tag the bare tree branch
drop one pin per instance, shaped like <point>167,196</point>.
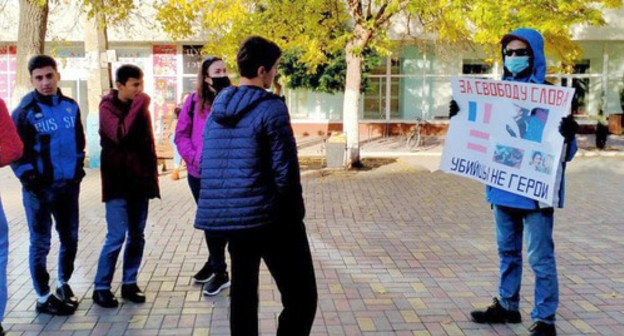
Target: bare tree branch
<point>359,8</point>
<point>355,6</point>
<point>382,18</point>
<point>380,12</point>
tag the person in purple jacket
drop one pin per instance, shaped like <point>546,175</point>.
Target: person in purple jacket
<point>211,79</point>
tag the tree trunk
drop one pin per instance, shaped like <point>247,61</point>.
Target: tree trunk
<point>98,82</point>
<point>33,22</point>
<point>351,104</point>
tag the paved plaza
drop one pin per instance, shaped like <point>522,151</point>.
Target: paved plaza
<point>398,250</point>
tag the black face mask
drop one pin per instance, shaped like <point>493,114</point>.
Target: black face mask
<point>220,83</point>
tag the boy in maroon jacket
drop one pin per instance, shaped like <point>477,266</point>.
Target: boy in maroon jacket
<point>129,181</point>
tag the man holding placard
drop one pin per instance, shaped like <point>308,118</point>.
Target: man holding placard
<point>504,140</point>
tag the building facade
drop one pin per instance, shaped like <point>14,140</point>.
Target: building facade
<point>412,84</point>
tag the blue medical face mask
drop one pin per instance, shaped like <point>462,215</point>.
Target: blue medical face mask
<point>516,64</point>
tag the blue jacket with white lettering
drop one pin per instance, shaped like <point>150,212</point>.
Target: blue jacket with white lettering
<point>53,137</point>
<point>535,74</point>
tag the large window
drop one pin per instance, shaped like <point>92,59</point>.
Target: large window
<point>615,77</point>
<point>164,60</point>
<point>416,84</point>
<point>374,106</point>
<point>314,106</point>
<point>376,98</point>
<point>191,63</point>
<point>381,97</point>
<point>475,67</point>
<point>588,78</point>
<point>7,73</point>
<point>580,85</point>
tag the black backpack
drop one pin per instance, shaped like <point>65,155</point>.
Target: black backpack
<point>191,111</point>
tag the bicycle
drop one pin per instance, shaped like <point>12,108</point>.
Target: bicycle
<point>415,136</point>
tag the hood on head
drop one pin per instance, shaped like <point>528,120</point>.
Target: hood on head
<point>535,41</point>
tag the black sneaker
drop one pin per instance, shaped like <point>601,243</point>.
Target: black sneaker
<point>105,298</point>
<point>204,275</point>
<point>540,328</point>
<point>54,306</point>
<point>496,314</point>
<point>66,294</point>
<point>1,330</point>
<point>216,284</point>
<point>133,293</point>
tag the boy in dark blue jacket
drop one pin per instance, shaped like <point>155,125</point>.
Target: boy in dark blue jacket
<point>251,193</point>
<point>50,171</point>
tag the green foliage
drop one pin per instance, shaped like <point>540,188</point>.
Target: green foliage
<point>318,29</point>
<point>109,12</point>
<point>329,77</point>
<point>313,26</point>
<point>484,22</point>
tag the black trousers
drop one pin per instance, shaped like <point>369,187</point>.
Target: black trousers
<point>285,250</point>
<point>216,245</point>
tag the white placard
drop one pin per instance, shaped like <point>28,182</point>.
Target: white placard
<point>506,135</point>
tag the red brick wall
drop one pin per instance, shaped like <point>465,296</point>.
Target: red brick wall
<point>367,130</point>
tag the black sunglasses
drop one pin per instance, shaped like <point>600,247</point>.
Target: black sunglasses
<point>518,52</point>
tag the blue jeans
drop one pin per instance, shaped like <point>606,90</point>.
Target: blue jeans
<point>537,227</point>
<point>124,216</point>
<point>4,257</point>
<point>177,158</point>
<point>61,202</point>
<point>216,244</point>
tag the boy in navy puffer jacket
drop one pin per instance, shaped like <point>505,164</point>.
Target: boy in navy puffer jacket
<point>251,193</point>
<point>50,170</point>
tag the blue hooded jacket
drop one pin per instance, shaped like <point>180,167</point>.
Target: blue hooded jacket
<point>249,168</point>
<point>537,75</point>
<point>54,141</point>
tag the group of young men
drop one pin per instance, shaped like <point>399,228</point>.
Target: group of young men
<point>250,191</point>
<point>52,168</point>
<point>266,223</point>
